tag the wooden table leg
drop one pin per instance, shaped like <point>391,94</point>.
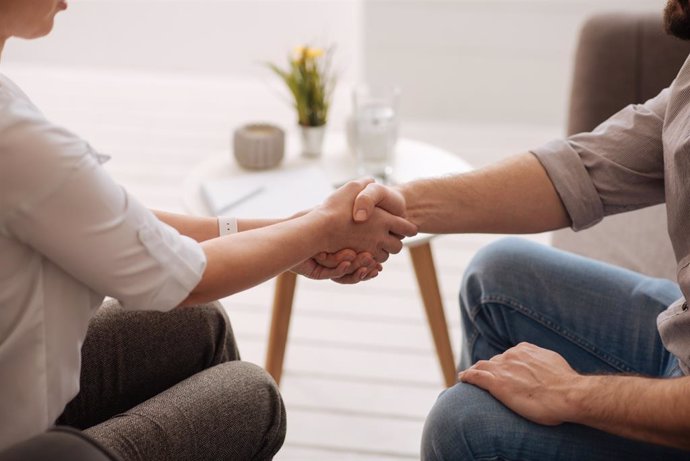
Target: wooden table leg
<point>280,323</point>
<point>423,262</point>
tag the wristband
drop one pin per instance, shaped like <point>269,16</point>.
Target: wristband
<point>227,225</point>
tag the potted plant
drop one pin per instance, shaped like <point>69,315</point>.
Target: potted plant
<point>311,83</point>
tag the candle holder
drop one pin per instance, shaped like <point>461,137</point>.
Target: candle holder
<point>259,146</point>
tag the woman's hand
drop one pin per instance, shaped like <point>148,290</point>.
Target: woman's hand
<point>345,266</point>
<point>380,235</point>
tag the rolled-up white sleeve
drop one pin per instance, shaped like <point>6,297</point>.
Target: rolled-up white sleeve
<point>105,238</point>
<point>66,207</point>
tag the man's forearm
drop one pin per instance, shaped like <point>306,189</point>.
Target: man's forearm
<point>513,196</point>
<point>651,410</point>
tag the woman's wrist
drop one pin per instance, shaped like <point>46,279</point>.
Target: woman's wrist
<point>227,225</point>
<point>319,225</point>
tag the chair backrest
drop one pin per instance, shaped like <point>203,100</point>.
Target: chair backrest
<point>623,59</point>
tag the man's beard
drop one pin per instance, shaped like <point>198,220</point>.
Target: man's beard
<point>677,18</point>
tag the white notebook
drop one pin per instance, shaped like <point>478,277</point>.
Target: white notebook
<point>269,194</point>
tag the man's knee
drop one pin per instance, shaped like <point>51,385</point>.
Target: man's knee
<point>493,265</point>
<point>465,423</point>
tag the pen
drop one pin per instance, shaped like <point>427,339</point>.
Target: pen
<point>243,199</point>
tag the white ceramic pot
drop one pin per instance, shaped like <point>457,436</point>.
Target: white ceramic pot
<point>259,146</point>
<point>312,140</point>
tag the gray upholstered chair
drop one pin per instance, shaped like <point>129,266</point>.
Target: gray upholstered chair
<point>623,59</point>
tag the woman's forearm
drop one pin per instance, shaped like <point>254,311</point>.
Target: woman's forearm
<point>202,228</point>
<point>240,261</point>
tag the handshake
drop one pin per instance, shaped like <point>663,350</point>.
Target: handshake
<point>362,223</point>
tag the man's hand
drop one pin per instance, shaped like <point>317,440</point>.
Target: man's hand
<point>345,266</point>
<point>377,195</point>
<point>380,235</point>
<point>531,381</point>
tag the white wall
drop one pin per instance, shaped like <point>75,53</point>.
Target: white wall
<point>481,60</point>
<point>205,36</point>
<point>498,62</point>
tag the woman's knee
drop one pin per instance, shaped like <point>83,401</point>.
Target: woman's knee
<point>231,411</point>
<point>243,404</point>
<point>213,322</point>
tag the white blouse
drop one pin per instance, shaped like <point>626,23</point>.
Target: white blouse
<point>69,236</point>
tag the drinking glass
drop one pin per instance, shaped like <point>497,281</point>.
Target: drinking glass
<point>375,129</point>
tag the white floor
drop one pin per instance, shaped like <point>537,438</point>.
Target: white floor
<point>360,372</point>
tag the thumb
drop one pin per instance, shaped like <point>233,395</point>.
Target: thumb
<point>364,203</point>
<point>377,195</point>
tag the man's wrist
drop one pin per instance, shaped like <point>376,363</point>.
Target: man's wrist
<point>576,397</point>
<point>407,193</point>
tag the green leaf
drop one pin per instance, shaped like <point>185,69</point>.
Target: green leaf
<point>311,84</point>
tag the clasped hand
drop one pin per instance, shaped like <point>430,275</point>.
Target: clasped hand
<point>358,244</point>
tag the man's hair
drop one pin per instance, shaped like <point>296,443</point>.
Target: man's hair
<point>677,18</point>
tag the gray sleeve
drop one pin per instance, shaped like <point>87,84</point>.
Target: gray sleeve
<point>617,167</point>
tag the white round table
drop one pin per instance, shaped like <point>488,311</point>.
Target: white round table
<point>413,160</point>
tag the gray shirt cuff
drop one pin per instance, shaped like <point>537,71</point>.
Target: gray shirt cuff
<point>572,182</point>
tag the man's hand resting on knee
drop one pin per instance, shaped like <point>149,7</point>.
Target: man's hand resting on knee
<point>539,385</point>
<point>529,380</point>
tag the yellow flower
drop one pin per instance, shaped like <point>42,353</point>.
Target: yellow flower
<point>313,53</point>
<point>310,81</point>
<point>304,52</point>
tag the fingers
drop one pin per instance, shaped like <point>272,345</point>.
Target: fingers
<point>342,269</point>
<point>357,186</point>
<point>365,260</point>
<point>355,267</point>
<point>322,273</point>
<point>377,195</point>
<point>381,256</point>
<point>332,260</point>
<point>369,269</point>
<point>395,224</point>
<point>479,378</point>
<point>392,245</point>
<point>360,275</point>
<point>403,227</point>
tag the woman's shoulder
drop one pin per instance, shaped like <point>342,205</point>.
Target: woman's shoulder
<point>11,89</point>
<point>35,154</point>
<point>25,132</point>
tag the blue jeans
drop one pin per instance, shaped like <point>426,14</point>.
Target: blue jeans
<point>601,318</point>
